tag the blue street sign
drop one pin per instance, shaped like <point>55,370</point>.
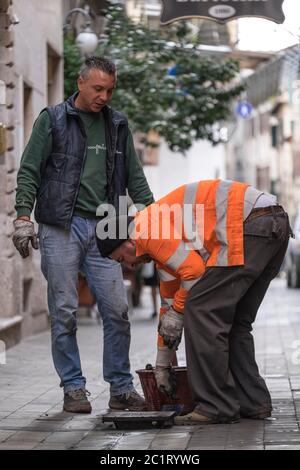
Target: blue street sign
<point>244,109</point>
<point>172,71</point>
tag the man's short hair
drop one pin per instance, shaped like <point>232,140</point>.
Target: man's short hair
<point>99,63</point>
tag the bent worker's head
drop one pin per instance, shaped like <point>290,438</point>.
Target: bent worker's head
<point>126,253</point>
<point>114,240</point>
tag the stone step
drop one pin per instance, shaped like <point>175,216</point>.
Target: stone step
<point>10,330</point>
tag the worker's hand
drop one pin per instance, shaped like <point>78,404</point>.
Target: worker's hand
<point>24,232</point>
<point>170,328</point>
<point>166,381</point>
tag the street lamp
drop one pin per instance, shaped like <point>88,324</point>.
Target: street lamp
<point>87,39</point>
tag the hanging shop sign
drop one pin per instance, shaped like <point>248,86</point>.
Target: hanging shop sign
<point>221,10</point>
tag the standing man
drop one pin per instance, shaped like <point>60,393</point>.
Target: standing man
<point>81,155</point>
<point>225,243</point>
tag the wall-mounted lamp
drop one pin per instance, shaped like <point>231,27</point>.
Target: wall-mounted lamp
<point>87,40</point>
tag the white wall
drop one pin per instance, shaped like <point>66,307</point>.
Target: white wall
<point>203,161</point>
<point>40,24</point>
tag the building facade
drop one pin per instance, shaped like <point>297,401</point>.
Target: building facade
<point>264,150</point>
<point>31,77</point>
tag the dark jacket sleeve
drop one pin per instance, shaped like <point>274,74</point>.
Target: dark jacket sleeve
<point>29,174</point>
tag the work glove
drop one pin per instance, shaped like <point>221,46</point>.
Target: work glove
<point>24,232</point>
<point>170,328</point>
<point>166,381</point>
<point>163,373</point>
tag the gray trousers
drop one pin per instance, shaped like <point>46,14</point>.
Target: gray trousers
<point>219,312</point>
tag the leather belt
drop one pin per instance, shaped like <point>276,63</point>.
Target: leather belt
<point>259,211</point>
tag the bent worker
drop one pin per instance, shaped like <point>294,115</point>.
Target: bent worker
<point>212,283</point>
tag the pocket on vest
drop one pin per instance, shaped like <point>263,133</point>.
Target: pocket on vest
<point>63,167</point>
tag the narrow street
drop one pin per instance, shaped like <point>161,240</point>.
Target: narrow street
<point>31,401</point>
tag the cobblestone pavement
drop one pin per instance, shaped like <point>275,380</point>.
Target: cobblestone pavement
<point>31,414</point>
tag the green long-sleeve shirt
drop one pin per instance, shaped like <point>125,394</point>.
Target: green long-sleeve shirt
<point>93,183</point>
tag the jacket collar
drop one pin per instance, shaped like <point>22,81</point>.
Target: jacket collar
<point>116,117</point>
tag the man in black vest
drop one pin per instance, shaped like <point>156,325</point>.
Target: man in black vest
<point>80,158</point>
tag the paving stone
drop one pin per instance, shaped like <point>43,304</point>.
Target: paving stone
<point>82,425</point>
<point>12,423</point>
<point>48,446</point>
<point>100,443</point>
<point>205,447</point>
<point>282,447</point>
<point>175,444</point>
<point>38,408</point>
<point>28,436</point>
<point>246,447</point>
<point>17,445</point>
<point>4,435</point>
<point>65,437</point>
<point>31,415</point>
<point>43,426</point>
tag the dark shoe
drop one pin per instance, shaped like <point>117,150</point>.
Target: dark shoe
<point>195,418</point>
<point>75,401</point>
<point>260,415</point>
<point>131,401</point>
<point>154,315</point>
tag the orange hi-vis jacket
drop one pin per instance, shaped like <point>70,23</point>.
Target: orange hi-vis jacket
<point>195,226</point>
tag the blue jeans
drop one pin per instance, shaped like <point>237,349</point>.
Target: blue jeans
<point>63,254</point>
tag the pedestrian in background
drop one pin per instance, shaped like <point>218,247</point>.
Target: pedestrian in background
<point>150,279</point>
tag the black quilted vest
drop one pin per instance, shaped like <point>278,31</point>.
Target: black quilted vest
<point>61,173</point>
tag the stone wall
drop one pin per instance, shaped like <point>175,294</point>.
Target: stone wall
<point>31,77</point>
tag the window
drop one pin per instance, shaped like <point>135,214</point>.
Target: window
<point>27,112</point>
<point>274,136</point>
<point>53,68</point>
<point>263,178</point>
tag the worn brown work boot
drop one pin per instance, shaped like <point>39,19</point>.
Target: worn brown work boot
<point>75,401</point>
<point>131,401</point>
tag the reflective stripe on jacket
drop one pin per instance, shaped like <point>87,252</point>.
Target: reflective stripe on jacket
<point>182,260</point>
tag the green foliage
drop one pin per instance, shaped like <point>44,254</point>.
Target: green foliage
<point>72,63</point>
<point>181,107</point>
